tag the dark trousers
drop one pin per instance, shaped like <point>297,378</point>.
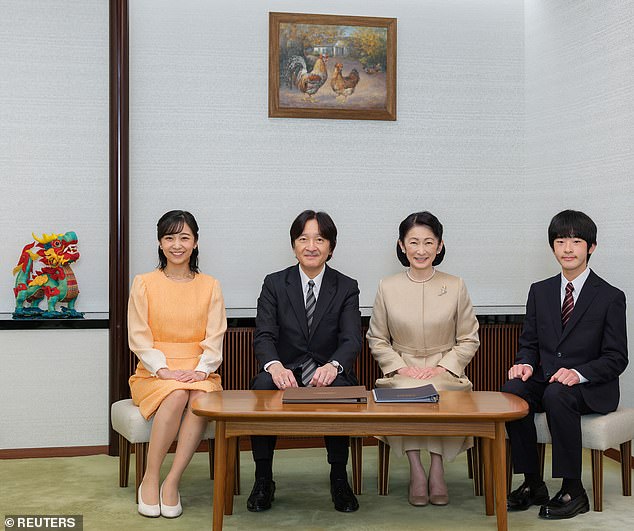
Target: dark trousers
<point>563,406</point>
<point>263,446</point>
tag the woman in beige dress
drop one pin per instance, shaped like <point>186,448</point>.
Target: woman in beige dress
<point>424,330</point>
<point>176,325</point>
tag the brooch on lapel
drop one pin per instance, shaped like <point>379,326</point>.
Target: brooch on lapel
<point>443,290</point>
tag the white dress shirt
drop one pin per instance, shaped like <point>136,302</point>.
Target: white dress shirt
<point>577,284</point>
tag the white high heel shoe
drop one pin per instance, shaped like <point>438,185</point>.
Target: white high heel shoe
<point>170,511</point>
<point>151,511</point>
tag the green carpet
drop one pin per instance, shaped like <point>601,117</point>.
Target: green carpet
<point>89,486</point>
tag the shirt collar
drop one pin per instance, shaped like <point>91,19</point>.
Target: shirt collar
<point>577,283</point>
<point>317,280</point>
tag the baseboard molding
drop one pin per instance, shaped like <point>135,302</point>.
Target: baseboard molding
<point>77,451</point>
<point>63,451</point>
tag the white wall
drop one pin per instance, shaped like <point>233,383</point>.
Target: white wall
<point>201,139</point>
<point>579,131</point>
<point>54,178</point>
<point>54,136</point>
<point>54,388</point>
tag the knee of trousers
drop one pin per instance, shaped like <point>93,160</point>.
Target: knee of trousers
<point>263,381</point>
<point>515,387</point>
<point>557,396</point>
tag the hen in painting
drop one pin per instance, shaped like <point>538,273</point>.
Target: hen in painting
<point>342,85</point>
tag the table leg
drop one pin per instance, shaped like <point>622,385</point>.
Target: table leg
<point>231,474</point>
<point>487,461</point>
<point>499,474</point>
<point>220,471</point>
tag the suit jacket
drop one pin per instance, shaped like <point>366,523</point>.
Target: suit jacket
<point>594,342</point>
<point>281,329</point>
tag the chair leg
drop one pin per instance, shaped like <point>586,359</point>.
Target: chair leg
<point>597,479</point>
<point>478,487</point>
<point>541,451</point>
<point>509,467</point>
<point>140,454</point>
<point>236,485</point>
<point>212,449</point>
<point>124,461</point>
<point>626,468</point>
<point>470,463</point>
<point>356,451</point>
<point>384,468</point>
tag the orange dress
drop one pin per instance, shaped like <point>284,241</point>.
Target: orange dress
<point>174,325</point>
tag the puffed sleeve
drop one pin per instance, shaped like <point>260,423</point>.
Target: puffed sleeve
<point>140,337</point>
<point>211,357</point>
<point>467,340</point>
<point>379,339</point>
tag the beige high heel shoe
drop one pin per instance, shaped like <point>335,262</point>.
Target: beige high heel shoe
<point>417,501</point>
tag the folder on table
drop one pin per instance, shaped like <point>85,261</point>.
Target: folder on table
<point>425,393</point>
<point>325,395</point>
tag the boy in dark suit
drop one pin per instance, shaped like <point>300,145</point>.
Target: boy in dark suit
<point>572,350</point>
<point>307,333</point>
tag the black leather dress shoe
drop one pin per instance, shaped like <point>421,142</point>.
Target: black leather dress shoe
<point>342,495</point>
<point>524,496</point>
<point>565,506</point>
<point>261,495</point>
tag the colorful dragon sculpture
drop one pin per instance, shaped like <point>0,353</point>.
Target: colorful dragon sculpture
<point>55,281</point>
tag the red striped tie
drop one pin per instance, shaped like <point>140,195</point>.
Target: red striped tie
<point>568,305</point>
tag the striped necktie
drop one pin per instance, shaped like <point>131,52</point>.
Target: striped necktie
<point>311,302</point>
<point>568,305</point>
<point>310,365</point>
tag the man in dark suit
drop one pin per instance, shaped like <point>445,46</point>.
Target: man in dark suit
<point>572,350</point>
<point>307,333</point>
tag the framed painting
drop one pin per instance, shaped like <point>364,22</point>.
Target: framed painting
<point>330,66</point>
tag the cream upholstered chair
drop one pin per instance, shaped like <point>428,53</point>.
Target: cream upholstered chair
<point>599,433</point>
<point>132,428</point>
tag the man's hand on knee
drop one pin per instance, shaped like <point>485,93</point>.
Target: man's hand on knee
<point>324,375</point>
<point>281,376</point>
<point>565,377</point>
<point>520,370</point>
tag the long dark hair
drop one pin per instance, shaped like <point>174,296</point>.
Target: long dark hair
<point>426,219</point>
<point>172,222</point>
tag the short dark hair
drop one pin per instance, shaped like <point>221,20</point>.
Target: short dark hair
<point>426,219</point>
<point>572,224</point>
<point>327,228</point>
<point>172,222</point>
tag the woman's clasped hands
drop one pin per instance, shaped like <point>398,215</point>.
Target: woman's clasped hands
<point>421,373</point>
<point>181,376</point>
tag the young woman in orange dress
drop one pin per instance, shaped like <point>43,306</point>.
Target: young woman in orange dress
<point>176,325</point>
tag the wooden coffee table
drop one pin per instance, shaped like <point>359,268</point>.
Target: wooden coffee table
<point>459,413</point>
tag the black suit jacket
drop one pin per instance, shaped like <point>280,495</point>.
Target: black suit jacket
<point>594,342</point>
<point>281,329</point>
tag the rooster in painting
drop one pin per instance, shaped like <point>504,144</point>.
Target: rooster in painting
<point>307,82</point>
<point>342,85</point>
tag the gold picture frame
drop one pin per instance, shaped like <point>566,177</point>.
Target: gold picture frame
<point>331,66</point>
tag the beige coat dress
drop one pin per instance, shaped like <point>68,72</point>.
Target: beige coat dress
<point>424,324</point>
